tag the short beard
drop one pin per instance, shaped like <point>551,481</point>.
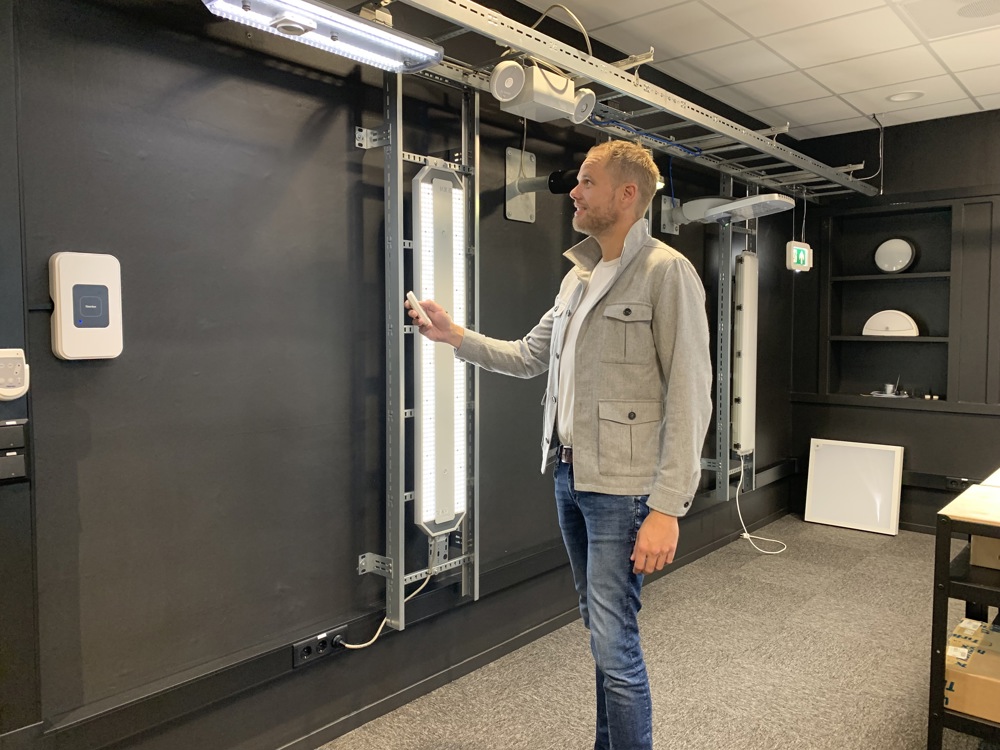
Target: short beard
<point>595,225</point>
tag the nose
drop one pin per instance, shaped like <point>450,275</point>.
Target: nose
<point>573,193</point>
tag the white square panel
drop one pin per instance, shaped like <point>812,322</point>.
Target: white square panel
<point>760,19</point>
<point>990,101</point>
<point>732,64</point>
<point>807,113</point>
<point>881,69</point>
<point>935,90</point>
<point>771,92</point>
<point>594,14</point>
<point>917,114</point>
<point>842,38</point>
<point>977,50</point>
<point>836,127</point>
<point>981,81</point>
<point>673,32</point>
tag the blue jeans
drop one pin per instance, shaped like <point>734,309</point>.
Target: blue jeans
<point>599,532</point>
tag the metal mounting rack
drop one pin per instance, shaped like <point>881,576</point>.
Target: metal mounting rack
<point>654,116</point>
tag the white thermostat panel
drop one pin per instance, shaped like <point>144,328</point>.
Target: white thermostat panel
<point>87,291</point>
<point>14,372</point>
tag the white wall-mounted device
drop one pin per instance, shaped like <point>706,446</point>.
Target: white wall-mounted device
<point>798,256</point>
<point>86,289</point>
<point>539,94</point>
<point>744,405</point>
<point>14,374</point>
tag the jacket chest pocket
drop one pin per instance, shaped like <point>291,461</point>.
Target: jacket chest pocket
<point>628,333</point>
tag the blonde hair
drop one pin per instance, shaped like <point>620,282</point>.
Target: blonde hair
<point>630,162</point>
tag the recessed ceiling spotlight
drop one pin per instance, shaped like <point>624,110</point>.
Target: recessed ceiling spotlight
<point>905,96</point>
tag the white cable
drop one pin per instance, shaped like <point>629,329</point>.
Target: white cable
<point>385,620</point>
<point>746,534</point>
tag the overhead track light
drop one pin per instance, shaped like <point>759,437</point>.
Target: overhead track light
<point>328,28</point>
<point>539,94</point>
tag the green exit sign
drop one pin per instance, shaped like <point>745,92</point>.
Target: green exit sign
<point>798,256</point>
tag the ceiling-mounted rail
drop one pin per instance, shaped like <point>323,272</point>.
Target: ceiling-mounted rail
<point>750,156</point>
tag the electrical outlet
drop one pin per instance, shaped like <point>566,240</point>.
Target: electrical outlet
<point>956,483</point>
<point>318,646</point>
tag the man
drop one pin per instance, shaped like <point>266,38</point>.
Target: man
<point>629,397</point>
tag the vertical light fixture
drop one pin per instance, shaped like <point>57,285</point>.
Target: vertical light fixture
<point>442,433</point>
<point>326,27</point>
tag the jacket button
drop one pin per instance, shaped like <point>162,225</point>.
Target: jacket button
<point>631,415</point>
<point>627,311</point>
<point>687,504</point>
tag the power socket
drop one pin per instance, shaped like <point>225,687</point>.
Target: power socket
<point>318,646</point>
<point>956,483</point>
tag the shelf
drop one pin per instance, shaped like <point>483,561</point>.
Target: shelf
<point>971,724</point>
<point>894,339</point>
<point>912,404</point>
<point>972,583</point>
<point>895,276</point>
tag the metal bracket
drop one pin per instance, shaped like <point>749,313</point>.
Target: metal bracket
<point>519,206</point>
<point>437,552</point>
<point>372,137</point>
<point>369,562</point>
<point>455,562</point>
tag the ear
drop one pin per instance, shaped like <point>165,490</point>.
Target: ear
<point>630,192</point>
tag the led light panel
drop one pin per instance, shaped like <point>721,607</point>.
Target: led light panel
<point>442,433</point>
<point>333,30</point>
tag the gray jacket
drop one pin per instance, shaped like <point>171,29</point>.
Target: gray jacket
<point>643,373</point>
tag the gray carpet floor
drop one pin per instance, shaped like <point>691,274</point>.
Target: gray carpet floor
<point>824,646</point>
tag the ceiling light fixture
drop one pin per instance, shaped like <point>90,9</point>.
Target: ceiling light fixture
<point>905,96</point>
<point>328,28</point>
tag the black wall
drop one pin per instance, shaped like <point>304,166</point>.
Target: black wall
<point>954,163</point>
<point>199,503</point>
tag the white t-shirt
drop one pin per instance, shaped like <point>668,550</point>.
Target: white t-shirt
<point>600,279</point>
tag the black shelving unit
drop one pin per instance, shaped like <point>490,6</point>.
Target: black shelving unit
<point>855,289</point>
<point>980,589</point>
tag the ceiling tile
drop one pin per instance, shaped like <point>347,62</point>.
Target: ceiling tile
<point>990,101</point>
<point>782,15</point>
<point>674,32</point>
<point>946,109</point>
<point>878,70</point>
<point>770,92</point>
<point>807,113</point>
<point>835,127</point>
<point>936,90</point>
<point>842,38</point>
<point>935,19</point>
<point>981,81</point>
<point>977,50</point>
<point>732,64</point>
<point>596,13</point>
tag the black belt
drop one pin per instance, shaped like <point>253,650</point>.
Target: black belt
<point>565,454</point>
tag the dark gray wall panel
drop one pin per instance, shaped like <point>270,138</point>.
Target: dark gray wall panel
<point>210,490</point>
<point>973,287</point>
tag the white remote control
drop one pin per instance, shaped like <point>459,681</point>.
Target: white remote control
<point>14,374</point>
<point>415,305</point>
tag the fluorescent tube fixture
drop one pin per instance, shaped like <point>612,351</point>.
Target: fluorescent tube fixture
<point>328,28</point>
<point>442,434</point>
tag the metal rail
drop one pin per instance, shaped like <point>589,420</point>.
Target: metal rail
<point>637,98</point>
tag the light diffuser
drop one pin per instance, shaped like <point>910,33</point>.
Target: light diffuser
<point>442,435</point>
<point>328,28</point>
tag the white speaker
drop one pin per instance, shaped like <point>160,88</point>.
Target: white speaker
<point>507,80</point>
<point>583,105</point>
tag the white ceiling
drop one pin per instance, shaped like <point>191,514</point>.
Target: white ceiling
<point>822,66</point>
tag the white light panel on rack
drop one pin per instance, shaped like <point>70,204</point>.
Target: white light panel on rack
<point>442,434</point>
